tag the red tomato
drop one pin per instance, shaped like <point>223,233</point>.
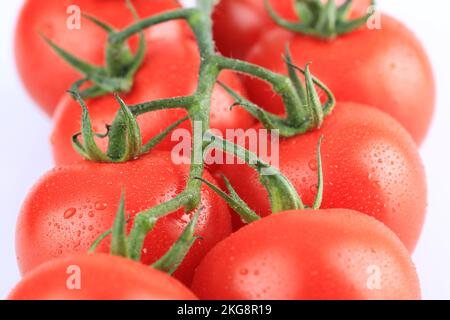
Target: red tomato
<point>178,67</point>
<point>386,68</point>
<point>71,206</point>
<point>370,164</point>
<point>238,24</point>
<point>44,74</point>
<point>101,277</point>
<point>326,254</point>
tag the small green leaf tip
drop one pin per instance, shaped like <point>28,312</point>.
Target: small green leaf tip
<point>119,246</point>
<point>319,194</point>
<point>233,200</point>
<point>170,262</point>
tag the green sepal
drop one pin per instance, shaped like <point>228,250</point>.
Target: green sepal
<point>322,20</point>
<point>121,64</point>
<point>344,10</point>
<point>99,240</point>
<point>282,194</point>
<point>124,135</point>
<point>307,95</point>
<point>160,137</point>
<point>133,140</point>
<point>119,245</point>
<point>304,11</point>
<point>319,195</point>
<point>236,203</point>
<point>101,24</point>
<point>89,148</point>
<point>170,262</point>
<point>268,120</point>
<point>312,81</point>
<point>81,66</point>
<point>293,75</point>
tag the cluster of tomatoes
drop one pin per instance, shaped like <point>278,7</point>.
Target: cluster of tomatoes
<point>357,246</point>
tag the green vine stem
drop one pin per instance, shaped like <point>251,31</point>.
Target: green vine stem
<point>304,112</point>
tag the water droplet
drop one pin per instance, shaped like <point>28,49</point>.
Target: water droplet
<point>243,272</point>
<point>69,213</point>
<point>101,206</point>
<point>312,164</point>
<point>77,244</point>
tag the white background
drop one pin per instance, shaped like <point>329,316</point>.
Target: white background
<point>25,152</point>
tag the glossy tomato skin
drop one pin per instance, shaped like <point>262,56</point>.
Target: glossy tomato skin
<point>45,75</point>
<point>164,74</point>
<point>238,24</point>
<point>71,206</point>
<point>102,277</point>
<point>388,69</point>
<point>328,254</point>
<point>370,164</point>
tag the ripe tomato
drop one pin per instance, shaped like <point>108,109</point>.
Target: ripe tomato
<point>179,69</point>
<point>370,164</point>
<point>386,68</point>
<point>326,254</point>
<point>238,24</point>
<point>71,206</point>
<point>46,76</point>
<point>101,277</point>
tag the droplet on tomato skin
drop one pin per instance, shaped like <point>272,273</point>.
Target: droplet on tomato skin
<point>100,206</point>
<point>243,272</point>
<point>312,164</point>
<point>69,213</point>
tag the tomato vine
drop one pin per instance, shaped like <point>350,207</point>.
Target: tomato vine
<point>304,112</point>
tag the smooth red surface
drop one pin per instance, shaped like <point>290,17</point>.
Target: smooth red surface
<point>165,74</point>
<point>370,164</point>
<point>102,277</point>
<point>71,206</point>
<point>238,24</point>
<point>387,68</point>
<point>46,76</point>
<point>297,255</point>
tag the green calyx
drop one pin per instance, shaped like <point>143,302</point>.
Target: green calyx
<point>121,246</point>
<point>124,136</point>
<point>319,19</point>
<point>308,113</point>
<point>121,63</point>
